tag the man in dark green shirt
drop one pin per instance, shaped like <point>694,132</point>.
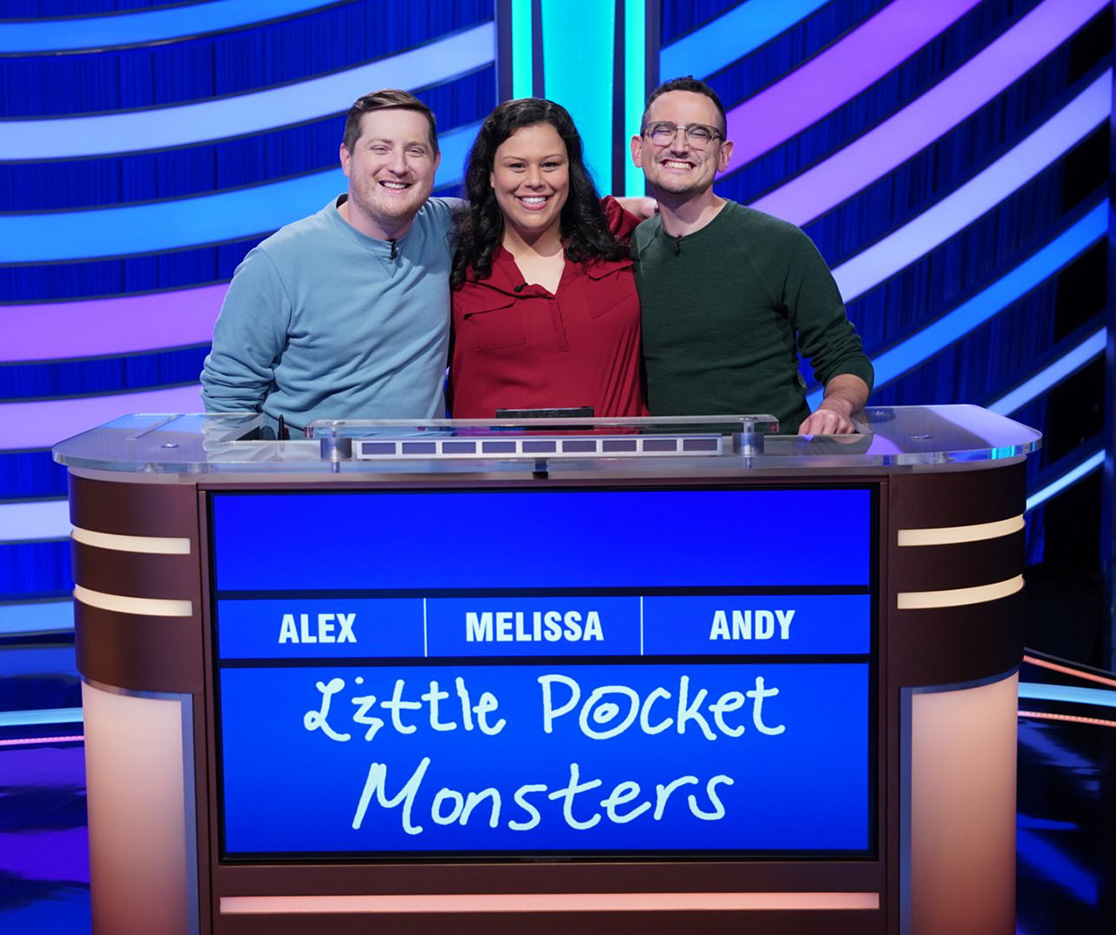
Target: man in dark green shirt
<point>731,296</point>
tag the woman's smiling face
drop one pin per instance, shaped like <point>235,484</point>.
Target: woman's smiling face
<point>531,178</point>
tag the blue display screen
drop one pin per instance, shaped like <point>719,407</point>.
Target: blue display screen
<point>564,672</point>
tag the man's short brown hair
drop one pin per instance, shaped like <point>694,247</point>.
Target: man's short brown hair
<point>387,99</point>
<point>687,83</point>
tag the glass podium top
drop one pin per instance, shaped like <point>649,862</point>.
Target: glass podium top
<point>890,438</point>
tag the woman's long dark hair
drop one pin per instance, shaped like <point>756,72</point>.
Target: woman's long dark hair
<point>584,228</point>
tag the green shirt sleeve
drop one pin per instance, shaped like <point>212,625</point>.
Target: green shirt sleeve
<point>825,336</point>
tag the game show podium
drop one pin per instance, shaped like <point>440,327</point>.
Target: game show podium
<point>644,676</point>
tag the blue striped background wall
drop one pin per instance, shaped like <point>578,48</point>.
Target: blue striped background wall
<point>1017,329</point>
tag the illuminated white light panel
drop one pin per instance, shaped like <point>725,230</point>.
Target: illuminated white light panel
<point>961,207</point>
<point>36,617</point>
<point>950,535</point>
<point>732,35</point>
<point>142,606</point>
<point>1072,476</point>
<point>545,902</point>
<point>958,597</point>
<point>146,26</point>
<point>1012,285</point>
<point>148,545</point>
<point>76,329</point>
<point>244,114</point>
<point>179,223</point>
<point>1074,360</point>
<point>43,423</point>
<point>27,520</point>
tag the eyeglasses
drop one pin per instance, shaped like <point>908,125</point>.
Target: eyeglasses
<point>698,134</point>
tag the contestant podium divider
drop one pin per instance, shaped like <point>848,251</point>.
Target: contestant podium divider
<point>159,693</point>
<point>141,832</point>
<point>962,770</point>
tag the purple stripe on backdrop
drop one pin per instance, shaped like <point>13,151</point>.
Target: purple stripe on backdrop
<point>841,72</point>
<point>100,327</point>
<point>44,423</point>
<point>940,109</point>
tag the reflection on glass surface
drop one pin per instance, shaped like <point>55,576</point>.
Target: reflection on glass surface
<point>890,437</point>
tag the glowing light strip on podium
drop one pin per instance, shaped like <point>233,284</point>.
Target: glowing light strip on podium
<point>958,597</point>
<point>1091,108</point>
<point>109,31</point>
<point>849,66</point>
<point>549,902</point>
<point>189,222</point>
<point>144,545</point>
<point>732,35</point>
<point>243,114</point>
<point>141,606</point>
<point>951,535</point>
<point>917,125</point>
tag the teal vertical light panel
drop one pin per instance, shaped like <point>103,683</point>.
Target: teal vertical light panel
<point>578,46</point>
<point>635,69</point>
<point>522,28</point>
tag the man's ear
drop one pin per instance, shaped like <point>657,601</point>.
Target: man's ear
<point>725,155</point>
<point>345,157</point>
<point>637,150</point>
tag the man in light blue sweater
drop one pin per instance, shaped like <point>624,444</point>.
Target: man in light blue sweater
<point>345,314</point>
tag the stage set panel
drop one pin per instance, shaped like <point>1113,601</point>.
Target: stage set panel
<point>745,688</point>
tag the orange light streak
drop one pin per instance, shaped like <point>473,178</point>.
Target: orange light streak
<point>1068,670</point>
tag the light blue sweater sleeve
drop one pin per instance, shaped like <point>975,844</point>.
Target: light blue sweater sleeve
<point>248,338</point>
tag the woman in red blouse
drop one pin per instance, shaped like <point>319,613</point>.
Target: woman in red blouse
<point>545,311</point>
